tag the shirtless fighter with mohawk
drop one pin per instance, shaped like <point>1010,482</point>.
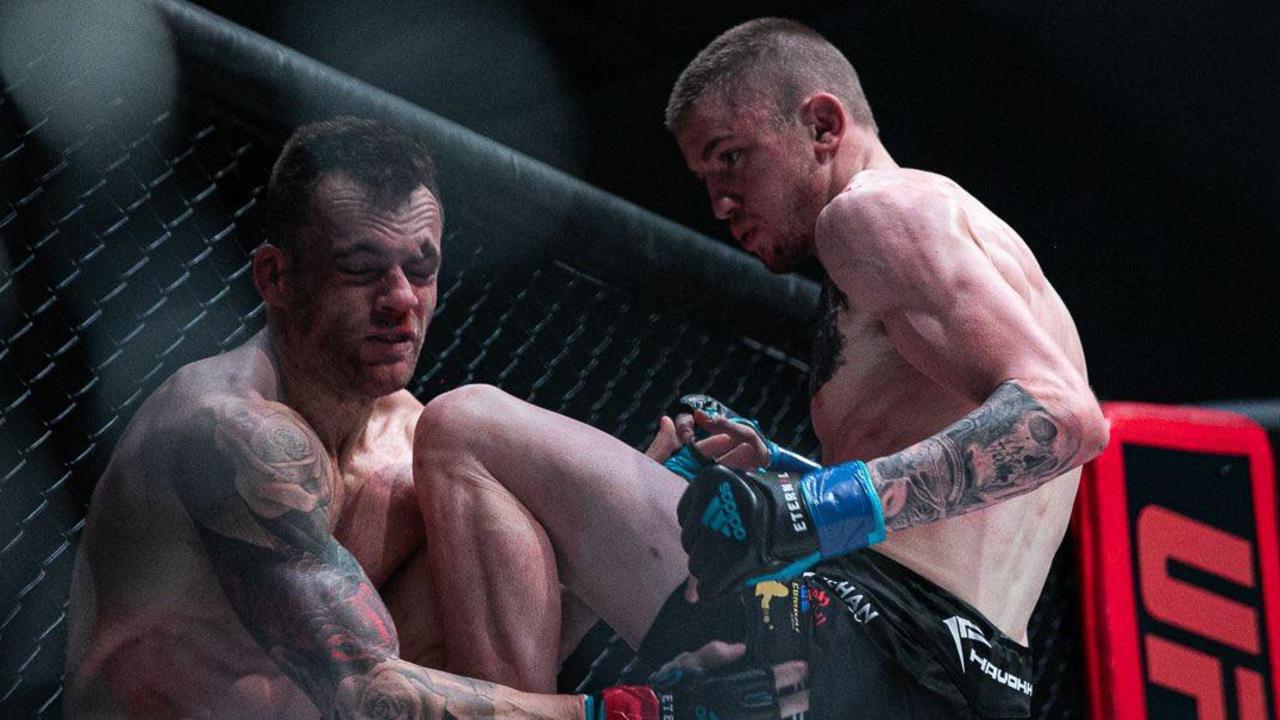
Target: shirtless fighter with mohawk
<point>949,391</point>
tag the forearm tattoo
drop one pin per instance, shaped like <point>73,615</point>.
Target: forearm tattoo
<point>259,488</point>
<point>401,690</point>
<point>1007,446</point>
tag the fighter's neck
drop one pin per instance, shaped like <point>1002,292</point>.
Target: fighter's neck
<point>338,417</point>
<point>870,156</point>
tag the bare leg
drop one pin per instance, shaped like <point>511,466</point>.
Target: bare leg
<point>412,605</point>
<point>493,572</point>
<point>576,620</point>
<point>608,511</point>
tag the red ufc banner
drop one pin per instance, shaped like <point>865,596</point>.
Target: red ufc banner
<point>1180,568</point>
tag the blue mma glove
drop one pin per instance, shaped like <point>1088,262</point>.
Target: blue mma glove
<point>741,528</point>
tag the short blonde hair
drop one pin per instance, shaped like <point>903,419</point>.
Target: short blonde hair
<point>784,59</point>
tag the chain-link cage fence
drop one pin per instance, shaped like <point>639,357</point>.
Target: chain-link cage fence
<point>126,226</point>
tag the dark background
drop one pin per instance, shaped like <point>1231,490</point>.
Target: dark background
<point>1133,145</point>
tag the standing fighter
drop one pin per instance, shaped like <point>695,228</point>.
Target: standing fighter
<point>255,548</point>
<point>943,358</point>
<point>949,392</point>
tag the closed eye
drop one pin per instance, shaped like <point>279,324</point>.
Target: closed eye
<point>422,276</point>
<point>424,270</point>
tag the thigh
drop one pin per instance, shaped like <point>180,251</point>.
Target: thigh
<point>856,668</point>
<point>407,594</point>
<point>608,510</point>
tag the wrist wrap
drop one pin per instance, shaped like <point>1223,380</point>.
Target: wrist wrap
<point>623,702</point>
<point>784,460</point>
<point>845,508</point>
<point>687,462</point>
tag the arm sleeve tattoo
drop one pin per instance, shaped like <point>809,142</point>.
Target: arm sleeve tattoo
<point>258,487</point>
<point>1009,445</point>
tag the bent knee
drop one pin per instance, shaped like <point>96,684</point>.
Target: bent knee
<point>456,418</point>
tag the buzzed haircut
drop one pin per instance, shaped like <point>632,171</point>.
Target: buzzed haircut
<point>782,58</point>
<point>387,164</point>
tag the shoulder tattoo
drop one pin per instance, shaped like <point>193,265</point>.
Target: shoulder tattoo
<point>259,487</point>
<point>279,464</point>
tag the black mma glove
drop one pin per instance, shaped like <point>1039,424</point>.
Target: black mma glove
<point>740,528</point>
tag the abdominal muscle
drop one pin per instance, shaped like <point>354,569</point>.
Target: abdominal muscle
<point>996,559</point>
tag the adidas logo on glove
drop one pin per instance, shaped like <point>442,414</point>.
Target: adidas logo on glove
<point>722,514</point>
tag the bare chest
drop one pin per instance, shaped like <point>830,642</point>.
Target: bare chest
<point>865,399</point>
<point>378,520</point>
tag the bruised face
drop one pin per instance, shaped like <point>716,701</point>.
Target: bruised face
<point>362,288</point>
<point>761,177</point>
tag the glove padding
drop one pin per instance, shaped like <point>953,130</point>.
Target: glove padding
<point>741,527</point>
<point>690,695</point>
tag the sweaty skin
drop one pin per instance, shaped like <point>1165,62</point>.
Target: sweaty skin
<point>943,358</point>
<point>255,548</point>
<point>921,337</point>
<point>152,632</point>
<point>947,362</point>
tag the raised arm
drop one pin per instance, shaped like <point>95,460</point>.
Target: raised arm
<point>259,487</point>
<point>908,256</point>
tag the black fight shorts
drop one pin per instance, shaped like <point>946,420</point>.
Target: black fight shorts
<point>881,642</point>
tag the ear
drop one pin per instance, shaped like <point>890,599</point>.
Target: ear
<point>824,115</point>
<point>270,266</point>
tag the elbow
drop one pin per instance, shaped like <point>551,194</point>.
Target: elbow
<point>1082,430</point>
<point>1092,429</point>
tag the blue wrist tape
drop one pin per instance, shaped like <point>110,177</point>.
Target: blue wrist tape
<point>844,506</point>
<point>784,460</point>
<point>685,462</point>
<point>780,458</point>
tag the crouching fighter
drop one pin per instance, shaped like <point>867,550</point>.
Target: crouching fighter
<point>255,548</point>
<point>948,390</point>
